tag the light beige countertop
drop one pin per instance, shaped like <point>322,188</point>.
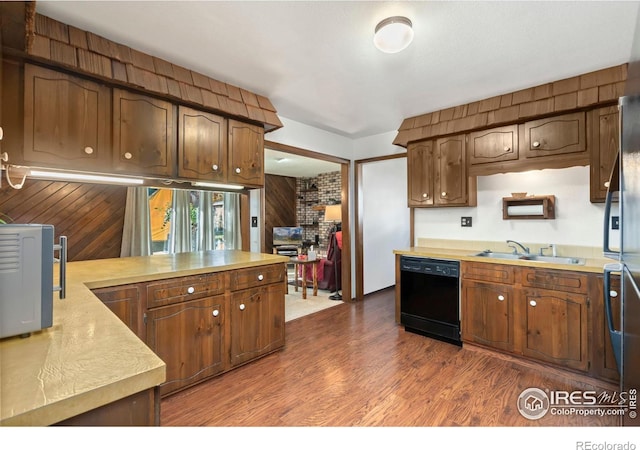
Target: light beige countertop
<point>464,251</point>
<point>89,358</point>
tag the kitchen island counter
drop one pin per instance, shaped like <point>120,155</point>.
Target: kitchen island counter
<point>89,358</point>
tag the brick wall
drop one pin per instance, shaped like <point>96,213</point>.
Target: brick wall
<point>328,187</point>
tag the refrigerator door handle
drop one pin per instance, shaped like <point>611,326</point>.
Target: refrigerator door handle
<point>607,226</point>
<point>616,335</point>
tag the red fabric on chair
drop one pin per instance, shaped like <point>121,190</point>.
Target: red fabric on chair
<point>309,270</point>
<point>327,267</point>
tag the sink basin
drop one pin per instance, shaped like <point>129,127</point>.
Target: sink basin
<point>536,258</point>
<point>499,255</point>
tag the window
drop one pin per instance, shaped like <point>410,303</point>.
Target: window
<point>206,220</point>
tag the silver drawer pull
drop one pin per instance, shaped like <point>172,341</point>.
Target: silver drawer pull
<point>214,167</point>
<point>260,277</point>
<point>535,144</point>
<point>238,170</point>
<point>533,303</point>
<point>1,133</point>
<point>191,289</point>
<point>613,293</point>
<point>242,306</point>
<point>501,297</point>
<point>215,313</point>
<point>88,150</point>
<point>128,155</point>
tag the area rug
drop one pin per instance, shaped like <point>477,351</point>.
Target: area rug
<point>295,306</point>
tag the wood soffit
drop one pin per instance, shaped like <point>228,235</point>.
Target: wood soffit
<point>85,52</point>
<point>583,91</point>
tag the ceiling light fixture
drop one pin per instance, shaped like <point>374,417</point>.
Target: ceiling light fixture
<point>393,34</point>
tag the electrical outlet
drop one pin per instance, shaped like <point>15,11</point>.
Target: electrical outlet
<point>465,221</point>
<point>615,222</point>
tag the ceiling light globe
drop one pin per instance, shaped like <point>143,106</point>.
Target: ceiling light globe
<point>393,34</point>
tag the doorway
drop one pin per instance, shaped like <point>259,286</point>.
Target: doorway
<point>306,164</point>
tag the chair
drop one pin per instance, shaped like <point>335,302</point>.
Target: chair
<point>332,264</point>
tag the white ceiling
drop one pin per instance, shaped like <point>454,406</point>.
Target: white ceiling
<point>316,62</point>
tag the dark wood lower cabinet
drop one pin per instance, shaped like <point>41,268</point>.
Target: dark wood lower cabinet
<point>549,315</point>
<point>188,337</point>
<point>555,325</point>
<point>141,409</point>
<point>127,303</point>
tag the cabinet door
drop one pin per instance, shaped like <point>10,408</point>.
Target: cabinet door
<point>143,134</point>
<point>66,121</point>
<point>554,136</point>
<point>487,314</point>
<point>604,145</point>
<point>257,322</point>
<point>127,303</point>
<point>188,337</point>
<point>555,327</point>
<point>450,171</point>
<point>420,168</point>
<point>202,145</point>
<point>246,154</point>
<point>495,145</point>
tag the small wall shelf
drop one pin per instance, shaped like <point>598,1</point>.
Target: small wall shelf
<point>533,207</point>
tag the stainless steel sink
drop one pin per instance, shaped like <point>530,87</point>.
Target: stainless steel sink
<point>535,258</point>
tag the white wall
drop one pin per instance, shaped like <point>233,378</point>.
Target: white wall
<point>377,145</point>
<point>577,222</point>
<point>385,220</point>
<point>306,137</point>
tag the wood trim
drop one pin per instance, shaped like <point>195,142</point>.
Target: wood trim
<point>303,152</point>
<point>358,219</point>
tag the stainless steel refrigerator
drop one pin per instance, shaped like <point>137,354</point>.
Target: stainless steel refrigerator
<point>625,185</point>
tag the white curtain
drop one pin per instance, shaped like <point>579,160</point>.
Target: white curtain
<point>136,233</point>
<point>205,222</point>
<point>180,235</point>
<point>232,228</point>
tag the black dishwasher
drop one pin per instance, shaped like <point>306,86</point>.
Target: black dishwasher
<point>430,298</point>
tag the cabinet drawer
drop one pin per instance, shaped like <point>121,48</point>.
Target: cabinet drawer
<point>558,280</point>
<point>496,273</point>
<point>256,276</point>
<point>182,289</point>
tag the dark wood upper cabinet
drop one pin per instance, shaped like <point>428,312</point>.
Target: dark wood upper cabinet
<point>143,134</point>
<point>420,167</point>
<point>496,144</point>
<point>202,145</point>
<point>246,154</point>
<point>604,144</point>
<point>66,120</point>
<point>450,182</point>
<point>557,135</point>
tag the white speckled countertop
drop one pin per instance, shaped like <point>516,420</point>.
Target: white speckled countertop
<point>89,358</point>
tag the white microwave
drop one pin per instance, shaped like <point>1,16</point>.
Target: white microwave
<point>26,277</point>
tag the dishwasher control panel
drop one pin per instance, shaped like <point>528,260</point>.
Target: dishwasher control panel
<point>431,266</point>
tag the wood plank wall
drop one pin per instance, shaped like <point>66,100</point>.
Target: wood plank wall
<point>90,215</point>
<point>280,205</point>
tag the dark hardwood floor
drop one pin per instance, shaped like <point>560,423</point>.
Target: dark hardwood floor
<point>351,365</point>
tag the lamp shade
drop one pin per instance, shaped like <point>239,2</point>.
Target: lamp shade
<point>393,34</point>
<point>333,213</point>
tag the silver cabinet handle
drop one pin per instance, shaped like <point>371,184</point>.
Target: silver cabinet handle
<point>215,313</point>
<point>242,306</point>
<point>425,195</point>
<point>606,184</point>
<point>507,148</point>
<point>501,298</point>
<point>1,133</point>
<point>535,144</point>
<point>128,155</point>
<point>444,194</point>
<point>260,277</point>
<point>533,303</point>
<point>238,169</point>
<point>214,167</point>
<point>613,294</point>
<point>88,150</point>
<point>191,289</point>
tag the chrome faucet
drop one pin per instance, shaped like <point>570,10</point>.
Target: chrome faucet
<point>515,250</point>
<point>552,247</point>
